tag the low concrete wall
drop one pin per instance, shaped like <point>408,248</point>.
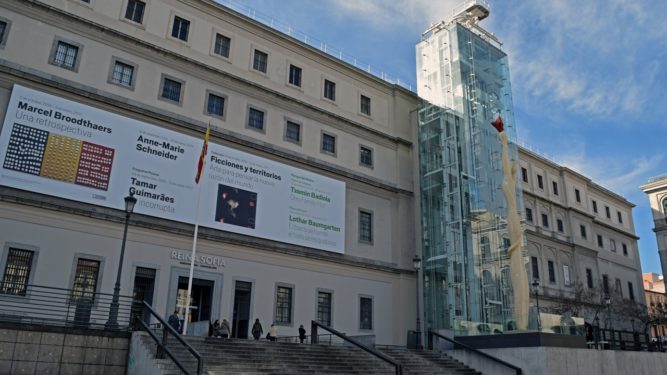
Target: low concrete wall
<point>141,360</point>
<point>566,361</point>
<point>27,349</point>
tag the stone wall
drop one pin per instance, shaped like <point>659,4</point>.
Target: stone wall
<point>27,349</point>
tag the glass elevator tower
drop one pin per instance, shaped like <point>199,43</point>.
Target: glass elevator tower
<point>463,76</point>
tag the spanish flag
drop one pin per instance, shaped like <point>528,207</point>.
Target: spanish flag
<point>202,156</point>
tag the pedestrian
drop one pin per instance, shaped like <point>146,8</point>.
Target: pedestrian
<point>213,329</point>
<point>273,333</point>
<point>174,321</point>
<point>257,330</point>
<point>302,333</point>
<point>224,329</point>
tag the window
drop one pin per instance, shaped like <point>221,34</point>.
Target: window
<point>552,271</point>
<point>620,217</point>
<point>625,249</point>
<point>559,225</point>
<point>605,284</point>
<point>365,156</point>
<point>524,174</point>
<point>566,275</point>
<point>329,90</point>
<point>283,305</point>
<point>17,272</point>
<point>595,206</point>
<point>294,75</point>
<point>122,74</point>
<point>600,241</point>
<point>582,231</point>
<point>4,31</point>
<point>540,182</point>
<point>631,291</point>
<point>135,11</point>
<point>365,226</point>
<point>65,55</point>
<point>607,212</point>
<point>222,45</point>
<point>85,280</point>
<point>328,143</point>
<point>365,313</point>
<point>255,119</point>
<point>292,132</point>
<point>215,105</point>
<point>529,215</point>
<point>589,278</point>
<point>617,287</point>
<point>171,89</point>
<point>506,244</point>
<point>577,195</point>
<point>324,308</point>
<point>535,268</point>
<point>180,28</point>
<point>260,61</point>
<point>554,186</point>
<point>612,245</point>
<point>486,247</point>
<point>365,105</point>
<point>545,220</point>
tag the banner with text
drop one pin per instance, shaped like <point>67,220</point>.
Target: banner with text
<point>63,148</point>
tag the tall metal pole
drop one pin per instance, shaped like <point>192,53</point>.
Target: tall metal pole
<point>112,323</point>
<point>536,284</point>
<point>416,262</point>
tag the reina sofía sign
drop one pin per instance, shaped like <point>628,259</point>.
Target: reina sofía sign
<point>201,260</point>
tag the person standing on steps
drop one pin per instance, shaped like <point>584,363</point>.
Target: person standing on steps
<point>257,330</point>
<point>174,321</point>
<point>224,329</point>
<point>302,333</point>
<point>273,333</point>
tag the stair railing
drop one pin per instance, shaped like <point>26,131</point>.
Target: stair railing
<point>162,348</point>
<point>314,326</point>
<point>458,344</point>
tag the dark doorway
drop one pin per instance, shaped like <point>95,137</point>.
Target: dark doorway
<point>241,317</point>
<point>144,286</point>
<point>201,298</point>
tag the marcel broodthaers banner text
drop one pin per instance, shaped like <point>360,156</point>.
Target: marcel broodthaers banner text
<point>59,147</point>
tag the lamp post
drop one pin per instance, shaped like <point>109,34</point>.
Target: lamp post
<point>596,331</point>
<point>417,264</point>
<point>607,301</point>
<point>536,284</point>
<point>112,323</point>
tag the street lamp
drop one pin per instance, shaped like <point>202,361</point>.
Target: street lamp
<point>417,264</point>
<point>112,323</point>
<point>536,284</point>
<point>596,330</point>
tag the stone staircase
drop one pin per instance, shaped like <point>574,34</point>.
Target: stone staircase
<point>249,357</point>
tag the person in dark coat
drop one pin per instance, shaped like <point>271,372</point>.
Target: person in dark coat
<point>174,321</point>
<point>302,333</point>
<point>257,330</point>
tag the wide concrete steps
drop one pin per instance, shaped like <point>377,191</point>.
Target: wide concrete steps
<point>250,357</point>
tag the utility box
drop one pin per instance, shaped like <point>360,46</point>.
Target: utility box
<point>413,340</point>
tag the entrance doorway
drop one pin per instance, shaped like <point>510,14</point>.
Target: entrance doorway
<point>144,286</point>
<point>201,298</point>
<point>241,318</point>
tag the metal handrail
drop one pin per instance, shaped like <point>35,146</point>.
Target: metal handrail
<point>162,344</point>
<point>518,370</point>
<point>314,340</point>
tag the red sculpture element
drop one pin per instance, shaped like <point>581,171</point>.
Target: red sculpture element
<point>498,124</point>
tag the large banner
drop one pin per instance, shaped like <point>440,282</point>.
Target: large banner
<point>58,147</point>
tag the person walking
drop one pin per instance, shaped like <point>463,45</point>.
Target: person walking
<point>174,321</point>
<point>257,330</point>
<point>273,333</point>
<point>302,333</point>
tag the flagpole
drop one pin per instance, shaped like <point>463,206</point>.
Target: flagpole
<point>200,170</point>
<point>192,262</point>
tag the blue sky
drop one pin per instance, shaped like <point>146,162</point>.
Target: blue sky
<point>589,78</point>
